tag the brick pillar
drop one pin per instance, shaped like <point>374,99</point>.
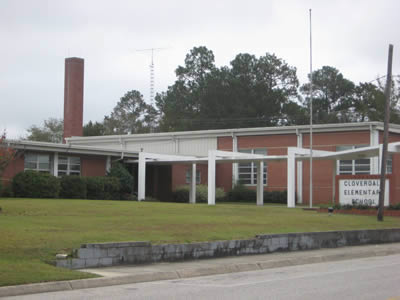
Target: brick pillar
<point>73,97</point>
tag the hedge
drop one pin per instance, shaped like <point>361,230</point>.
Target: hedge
<point>181,194</point>
<point>73,187</point>
<point>101,187</point>
<point>32,184</point>
<point>241,193</point>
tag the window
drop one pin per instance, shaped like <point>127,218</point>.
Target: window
<point>69,165</point>
<point>37,162</point>
<point>353,167</point>
<point>389,164</point>
<point>189,176</point>
<point>359,166</point>
<point>248,171</point>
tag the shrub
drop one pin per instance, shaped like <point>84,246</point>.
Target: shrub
<point>1,186</point>
<point>275,197</point>
<point>112,188</point>
<point>73,187</point>
<point>95,187</point>
<point>394,206</point>
<point>125,178</point>
<point>241,193</point>
<point>150,199</point>
<point>181,194</point>
<point>32,184</point>
<point>7,191</point>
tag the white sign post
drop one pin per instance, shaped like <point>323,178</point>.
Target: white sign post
<point>361,192</point>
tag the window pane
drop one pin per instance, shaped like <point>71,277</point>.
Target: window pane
<point>63,167</point>
<point>245,170</point>
<point>44,166</point>
<point>75,168</point>
<point>30,165</point>
<point>62,160</point>
<point>30,157</point>
<point>75,160</point>
<point>245,151</point>
<point>43,158</point>
<point>389,164</point>
<point>260,151</point>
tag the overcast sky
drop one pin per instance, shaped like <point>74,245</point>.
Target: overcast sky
<point>36,37</point>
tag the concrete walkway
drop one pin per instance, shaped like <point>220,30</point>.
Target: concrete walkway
<point>165,271</point>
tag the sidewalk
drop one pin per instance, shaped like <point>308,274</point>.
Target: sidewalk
<point>164,271</point>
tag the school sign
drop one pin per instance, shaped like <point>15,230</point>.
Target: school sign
<point>362,191</point>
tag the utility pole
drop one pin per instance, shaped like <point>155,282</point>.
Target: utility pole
<point>311,120</point>
<point>385,134</point>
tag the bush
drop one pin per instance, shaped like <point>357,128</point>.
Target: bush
<point>275,197</point>
<point>7,191</point>
<point>124,177</point>
<point>32,184</point>
<point>95,187</point>
<point>394,206</point>
<point>112,188</point>
<point>181,194</point>
<point>241,193</point>
<point>1,186</point>
<point>73,187</point>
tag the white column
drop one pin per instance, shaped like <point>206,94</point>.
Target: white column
<point>380,158</point>
<point>291,168</point>
<point>211,177</point>
<point>192,189</point>
<point>260,183</point>
<point>374,141</point>
<point>300,171</point>
<point>55,164</point>
<point>108,164</point>
<point>142,176</point>
<point>235,168</point>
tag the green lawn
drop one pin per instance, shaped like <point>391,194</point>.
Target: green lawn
<point>32,231</point>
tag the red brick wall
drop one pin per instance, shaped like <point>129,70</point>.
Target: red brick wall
<point>323,171</point>
<point>16,166</point>
<point>395,179</point>
<point>93,165</point>
<point>73,97</point>
<point>179,174</point>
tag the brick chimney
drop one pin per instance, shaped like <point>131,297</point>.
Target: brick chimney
<point>73,97</point>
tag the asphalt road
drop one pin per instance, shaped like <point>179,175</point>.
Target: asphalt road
<point>366,278</point>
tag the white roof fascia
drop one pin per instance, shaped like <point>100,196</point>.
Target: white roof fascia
<point>66,148</point>
<point>320,128</point>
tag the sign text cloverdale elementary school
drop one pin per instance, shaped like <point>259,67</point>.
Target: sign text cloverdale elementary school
<point>362,191</point>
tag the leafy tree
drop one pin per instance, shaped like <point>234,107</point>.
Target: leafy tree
<point>7,154</point>
<point>130,115</point>
<point>51,131</point>
<point>332,95</point>
<point>93,129</point>
<point>250,92</point>
<point>119,171</point>
<point>369,102</point>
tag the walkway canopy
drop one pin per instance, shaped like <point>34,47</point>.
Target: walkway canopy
<point>215,156</point>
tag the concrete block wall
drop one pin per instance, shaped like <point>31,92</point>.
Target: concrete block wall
<point>110,254</point>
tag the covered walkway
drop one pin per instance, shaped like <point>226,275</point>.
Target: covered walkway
<point>294,154</point>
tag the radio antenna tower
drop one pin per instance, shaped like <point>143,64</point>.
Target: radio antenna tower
<point>151,71</point>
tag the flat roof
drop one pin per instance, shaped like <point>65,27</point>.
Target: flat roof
<point>68,148</point>
<point>318,128</point>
